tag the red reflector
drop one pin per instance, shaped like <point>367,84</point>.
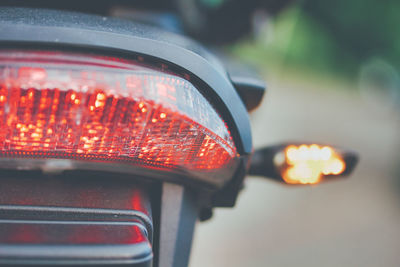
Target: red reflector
<point>68,106</point>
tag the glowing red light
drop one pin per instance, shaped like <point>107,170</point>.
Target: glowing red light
<point>90,111</point>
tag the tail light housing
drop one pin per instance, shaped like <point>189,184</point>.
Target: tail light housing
<point>94,109</point>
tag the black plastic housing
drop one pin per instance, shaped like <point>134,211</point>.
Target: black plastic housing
<point>25,28</point>
<point>60,30</point>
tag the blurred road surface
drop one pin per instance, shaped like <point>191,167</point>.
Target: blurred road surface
<point>349,222</point>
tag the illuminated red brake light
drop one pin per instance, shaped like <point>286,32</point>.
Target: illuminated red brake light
<point>68,106</point>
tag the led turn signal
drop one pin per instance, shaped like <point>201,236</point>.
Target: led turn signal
<point>302,163</point>
<point>307,164</point>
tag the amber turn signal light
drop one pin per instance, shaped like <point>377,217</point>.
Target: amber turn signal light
<point>302,163</point>
<point>307,164</point>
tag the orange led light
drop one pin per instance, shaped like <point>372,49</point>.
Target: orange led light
<point>307,164</point>
<point>85,108</point>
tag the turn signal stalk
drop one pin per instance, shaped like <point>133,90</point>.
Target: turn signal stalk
<point>302,163</point>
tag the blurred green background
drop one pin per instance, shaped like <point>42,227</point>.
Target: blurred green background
<point>333,38</point>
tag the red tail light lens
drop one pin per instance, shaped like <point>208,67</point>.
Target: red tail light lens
<point>69,106</point>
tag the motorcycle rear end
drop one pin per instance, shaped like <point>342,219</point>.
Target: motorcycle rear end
<point>117,136</point>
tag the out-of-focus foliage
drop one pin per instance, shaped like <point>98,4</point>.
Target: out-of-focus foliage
<point>336,37</point>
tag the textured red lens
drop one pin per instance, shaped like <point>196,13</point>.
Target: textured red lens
<point>104,109</point>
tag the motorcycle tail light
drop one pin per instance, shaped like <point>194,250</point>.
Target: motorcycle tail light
<point>103,109</point>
